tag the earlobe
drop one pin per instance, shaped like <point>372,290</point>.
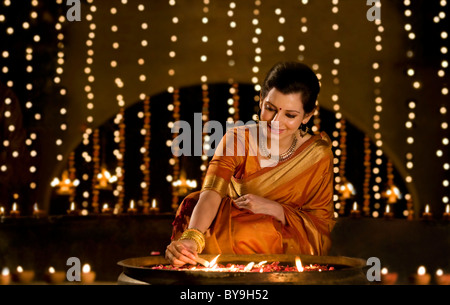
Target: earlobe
<point>307,118</point>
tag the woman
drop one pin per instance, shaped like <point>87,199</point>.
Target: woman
<point>245,207</point>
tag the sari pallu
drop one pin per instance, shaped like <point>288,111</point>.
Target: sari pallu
<point>303,185</point>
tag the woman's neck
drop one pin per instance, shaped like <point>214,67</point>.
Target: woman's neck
<point>283,144</point>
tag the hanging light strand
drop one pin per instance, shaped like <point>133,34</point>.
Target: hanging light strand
<point>29,89</point>
<point>367,175</point>
<point>205,136</point>
<point>173,107</point>
<point>442,152</point>
<point>280,39</point>
<point>120,169</point>
<point>173,46</point>
<point>411,105</point>
<point>230,42</point>
<point>58,77</point>
<point>96,171</point>
<point>174,161</point>
<point>303,29</point>
<point>339,133</point>
<point>378,100</point>
<point>88,132</point>
<point>145,167</point>
<point>258,51</point>
<point>205,98</point>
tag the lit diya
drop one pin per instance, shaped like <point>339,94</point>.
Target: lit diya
<point>246,270</point>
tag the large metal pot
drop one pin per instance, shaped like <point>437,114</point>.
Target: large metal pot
<point>347,271</point>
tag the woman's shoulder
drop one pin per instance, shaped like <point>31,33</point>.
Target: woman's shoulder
<point>324,139</point>
<point>323,143</point>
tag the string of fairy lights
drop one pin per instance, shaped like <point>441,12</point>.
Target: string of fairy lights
<point>377,67</point>
<point>86,154</point>
<point>119,135</point>
<point>119,120</point>
<point>301,57</point>
<point>232,26</point>
<point>280,39</point>
<point>37,116</point>
<point>173,107</point>
<point>29,89</point>
<point>233,100</point>
<point>255,42</point>
<point>205,91</point>
<point>342,186</point>
<point>303,29</point>
<point>145,115</point>
<point>57,79</point>
<point>411,73</point>
<point>442,151</point>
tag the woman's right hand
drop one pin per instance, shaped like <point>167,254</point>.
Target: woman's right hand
<point>181,252</point>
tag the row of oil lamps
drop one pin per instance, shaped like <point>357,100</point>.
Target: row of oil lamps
<point>73,210</point>
<point>51,276</point>
<point>154,209</point>
<point>388,214</point>
<point>419,278</point>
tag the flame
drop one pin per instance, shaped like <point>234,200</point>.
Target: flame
<point>298,263</point>
<point>5,271</point>
<point>421,270</point>
<point>213,262</point>
<point>249,266</point>
<point>384,271</point>
<point>439,272</point>
<point>427,209</point>
<point>86,268</point>
<point>154,204</point>
<point>51,270</point>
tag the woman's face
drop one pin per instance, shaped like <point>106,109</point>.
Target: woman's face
<point>286,109</point>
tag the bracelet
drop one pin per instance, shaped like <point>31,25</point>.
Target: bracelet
<point>197,236</point>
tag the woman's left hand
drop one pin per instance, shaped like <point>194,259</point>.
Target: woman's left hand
<point>261,205</point>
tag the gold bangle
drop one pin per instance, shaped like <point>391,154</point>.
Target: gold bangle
<point>197,236</point>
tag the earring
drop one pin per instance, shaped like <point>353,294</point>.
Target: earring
<point>303,130</point>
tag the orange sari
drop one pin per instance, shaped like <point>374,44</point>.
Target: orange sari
<point>303,185</point>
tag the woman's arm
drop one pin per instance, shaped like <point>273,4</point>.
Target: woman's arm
<point>205,211</point>
<point>180,252</point>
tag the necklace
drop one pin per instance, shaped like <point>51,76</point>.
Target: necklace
<point>284,156</point>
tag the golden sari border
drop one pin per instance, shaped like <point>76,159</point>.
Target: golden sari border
<point>283,173</point>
